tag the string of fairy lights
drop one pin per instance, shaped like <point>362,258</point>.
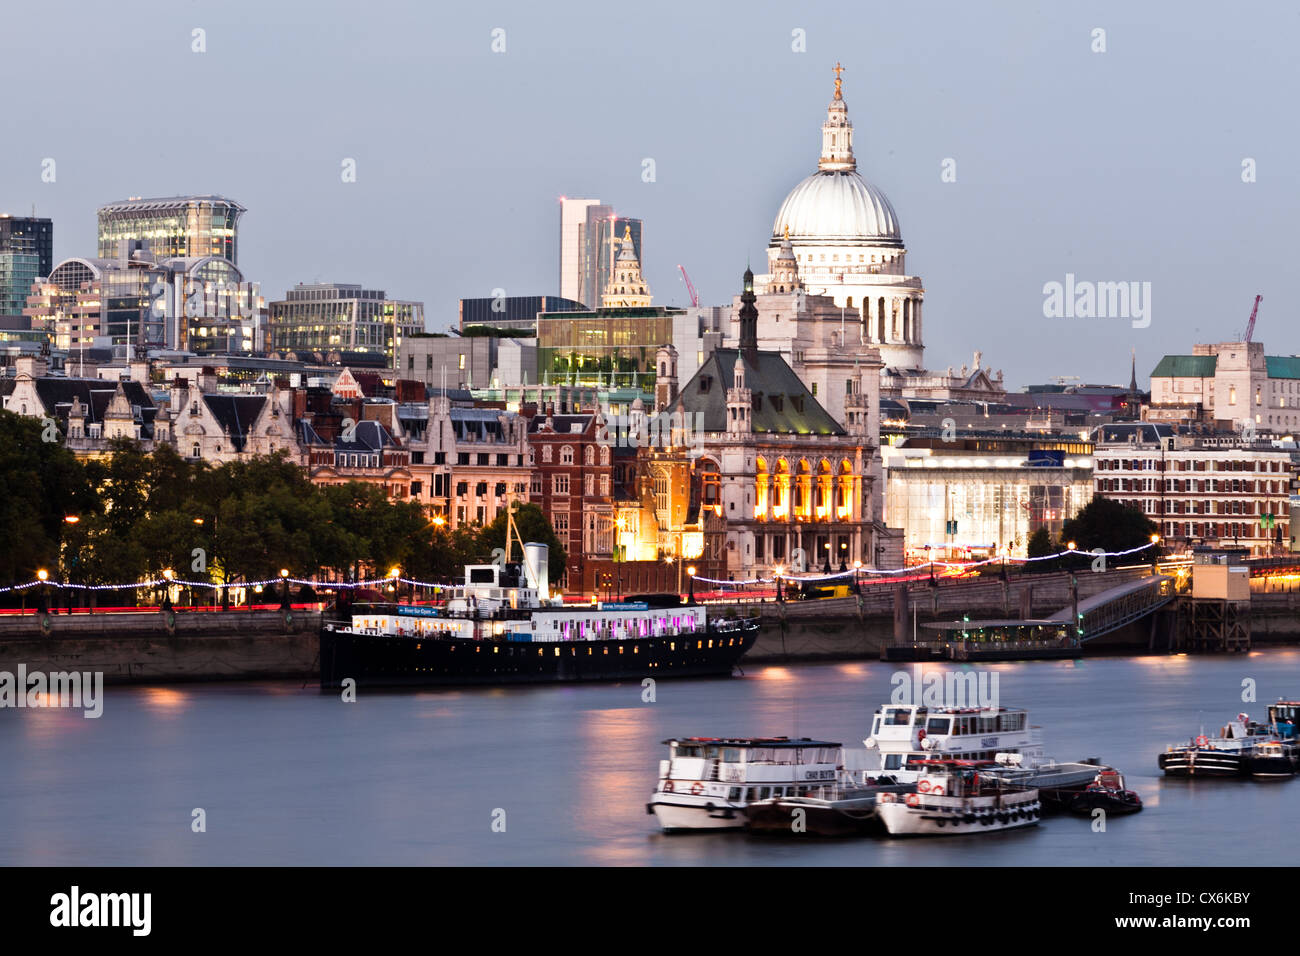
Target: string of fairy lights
<point>394,577</point>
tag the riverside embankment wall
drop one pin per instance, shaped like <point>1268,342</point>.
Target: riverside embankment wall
<point>249,645</point>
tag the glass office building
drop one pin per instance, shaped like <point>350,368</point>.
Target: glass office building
<point>604,241</point>
<point>19,267</point>
<point>181,226</point>
<point>605,347</point>
<point>29,234</point>
<point>330,317</point>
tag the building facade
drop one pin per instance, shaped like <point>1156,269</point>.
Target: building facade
<point>983,496</point>
<point>1203,493</point>
<point>334,316</point>
<point>26,252</point>
<point>1229,385</point>
<point>185,227</point>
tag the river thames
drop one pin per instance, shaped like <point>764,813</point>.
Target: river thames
<point>284,775</point>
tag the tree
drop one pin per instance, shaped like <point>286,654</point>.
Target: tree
<point>532,524</point>
<point>1040,544</point>
<point>1107,524</point>
<point>41,483</point>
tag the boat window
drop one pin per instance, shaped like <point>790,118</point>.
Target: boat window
<point>731,755</point>
<point>898,717</point>
<point>733,793</point>
<point>893,761</point>
<point>711,753</point>
<point>875,725</point>
<point>764,793</point>
<point>938,725</point>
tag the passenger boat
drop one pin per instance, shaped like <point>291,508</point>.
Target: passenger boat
<point>500,626</point>
<point>707,782</point>
<point>1226,755</point>
<point>1107,793</point>
<point>955,797</point>
<point>904,736</point>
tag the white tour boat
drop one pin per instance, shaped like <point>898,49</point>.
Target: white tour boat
<point>956,797</point>
<point>706,782</point>
<point>905,735</point>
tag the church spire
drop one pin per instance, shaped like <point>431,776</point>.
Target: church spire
<point>1133,373</point>
<point>837,132</point>
<point>748,316</point>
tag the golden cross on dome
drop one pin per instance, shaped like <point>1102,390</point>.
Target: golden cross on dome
<point>838,82</point>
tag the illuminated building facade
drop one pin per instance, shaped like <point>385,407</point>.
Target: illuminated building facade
<point>978,497</point>
<point>606,347</point>
<point>186,227</point>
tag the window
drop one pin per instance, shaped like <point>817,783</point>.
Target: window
<point>589,485</point>
<point>537,484</point>
<point>566,455</point>
<point>560,484</point>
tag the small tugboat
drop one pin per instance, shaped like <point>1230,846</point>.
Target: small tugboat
<point>1273,760</point>
<point>906,735</point>
<point>832,812</point>
<point>955,797</point>
<point>1227,755</point>
<point>707,782</point>
<point>1107,793</point>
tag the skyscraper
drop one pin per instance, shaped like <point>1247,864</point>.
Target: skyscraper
<point>179,226</point>
<point>26,251</point>
<point>591,238</point>
<point>573,223</point>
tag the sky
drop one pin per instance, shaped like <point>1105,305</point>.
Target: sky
<point>1122,165</point>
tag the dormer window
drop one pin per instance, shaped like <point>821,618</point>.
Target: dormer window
<point>705,382</point>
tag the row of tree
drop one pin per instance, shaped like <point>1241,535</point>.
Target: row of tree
<point>1103,523</point>
<point>132,515</point>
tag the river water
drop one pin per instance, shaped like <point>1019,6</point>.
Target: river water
<point>285,775</point>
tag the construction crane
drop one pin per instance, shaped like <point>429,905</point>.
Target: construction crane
<point>1250,326</point>
<point>690,287</point>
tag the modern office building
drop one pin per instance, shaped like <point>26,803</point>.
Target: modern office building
<point>176,227</point>
<point>603,347</point>
<point>39,231</point>
<point>573,244</point>
<point>983,495</point>
<point>332,316</point>
<point>514,311</point>
<point>194,304</point>
<point>591,239</point>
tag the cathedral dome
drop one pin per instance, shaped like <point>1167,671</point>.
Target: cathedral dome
<point>837,206</point>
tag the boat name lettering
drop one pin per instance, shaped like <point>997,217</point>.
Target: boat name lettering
<point>625,606</point>
<point>819,774</point>
<point>989,742</point>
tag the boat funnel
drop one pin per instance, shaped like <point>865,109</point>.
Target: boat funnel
<point>537,559</point>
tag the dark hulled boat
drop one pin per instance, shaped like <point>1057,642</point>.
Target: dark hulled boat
<point>497,629</point>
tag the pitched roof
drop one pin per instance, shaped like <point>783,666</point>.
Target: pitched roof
<point>782,403</point>
<point>236,414</point>
<point>1185,366</point>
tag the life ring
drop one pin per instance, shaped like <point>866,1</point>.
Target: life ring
<point>913,800</point>
<point>1202,741</point>
<point>668,786</point>
<point>937,791</point>
<point>885,798</point>
<point>1244,718</point>
<point>697,788</point>
<point>923,786</point>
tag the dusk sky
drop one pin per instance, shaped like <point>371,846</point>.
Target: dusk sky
<point>1123,165</point>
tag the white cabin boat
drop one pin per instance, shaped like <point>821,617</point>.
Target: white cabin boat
<point>706,782</point>
<point>905,734</point>
<point>957,797</point>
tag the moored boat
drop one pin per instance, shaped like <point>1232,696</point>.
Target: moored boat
<point>841,811</point>
<point>500,626</point>
<point>1107,793</point>
<point>906,735</point>
<point>956,797</point>
<point>707,782</point>
<point>1226,755</point>
<point>1273,760</point>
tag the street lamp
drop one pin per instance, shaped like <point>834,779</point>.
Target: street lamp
<point>284,589</point>
<point>690,571</point>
